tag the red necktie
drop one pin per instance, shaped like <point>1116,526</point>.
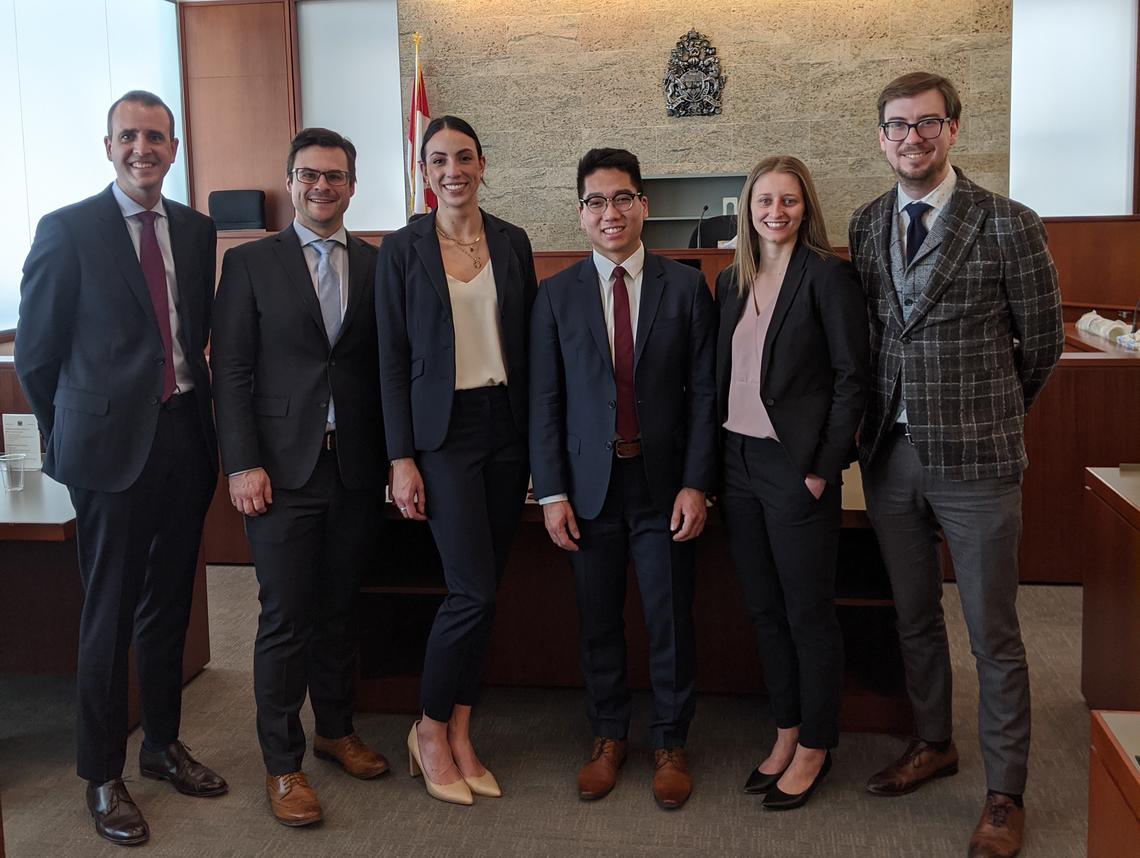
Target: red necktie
<point>154,270</point>
<point>627,427</point>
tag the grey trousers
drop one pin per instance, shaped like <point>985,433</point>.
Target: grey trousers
<point>981,522</point>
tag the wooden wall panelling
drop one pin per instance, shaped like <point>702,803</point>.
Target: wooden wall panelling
<point>1086,416</point>
<point>1096,260</point>
<point>241,96</point>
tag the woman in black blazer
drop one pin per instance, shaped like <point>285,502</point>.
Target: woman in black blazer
<point>792,371</point>
<point>454,291</point>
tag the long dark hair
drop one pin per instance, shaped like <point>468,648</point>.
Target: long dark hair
<point>455,124</point>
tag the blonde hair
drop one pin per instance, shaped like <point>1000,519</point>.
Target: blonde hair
<point>812,232</point>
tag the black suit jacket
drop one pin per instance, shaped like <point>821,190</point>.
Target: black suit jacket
<point>573,392</point>
<point>814,366</point>
<point>417,335</point>
<point>274,369</point>
<point>88,349</point>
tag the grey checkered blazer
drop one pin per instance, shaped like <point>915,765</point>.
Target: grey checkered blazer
<point>982,337</point>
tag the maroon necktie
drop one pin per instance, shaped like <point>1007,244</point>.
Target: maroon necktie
<point>154,270</point>
<point>627,428</point>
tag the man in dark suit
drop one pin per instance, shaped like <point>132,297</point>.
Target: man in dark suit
<point>965,328</point>
<point>623,449</point>
<point>294,354</point>
<point>114,318</point>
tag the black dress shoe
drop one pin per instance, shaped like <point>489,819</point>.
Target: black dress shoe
<point>117,817</point>
<point>777,799</point>
<point>177,766</point>
<point>759,783</point>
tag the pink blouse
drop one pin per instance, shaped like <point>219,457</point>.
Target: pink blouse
<point>746,412</point>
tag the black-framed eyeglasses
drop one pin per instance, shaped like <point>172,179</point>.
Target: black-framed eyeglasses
<point>597,204</point>
<point>309,176</point>
<point>896,130</point>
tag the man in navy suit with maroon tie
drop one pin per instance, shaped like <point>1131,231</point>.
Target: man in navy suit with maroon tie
<point>110,349</point>
<point>623,449</point>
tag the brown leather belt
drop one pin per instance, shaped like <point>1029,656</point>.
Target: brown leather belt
<point>330,441</point>
<point>627,449</point>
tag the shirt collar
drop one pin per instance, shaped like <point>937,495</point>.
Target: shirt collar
<point>307,236</point>
<point>937,198</point>
<point>129,207</point>
<point>632,266</point>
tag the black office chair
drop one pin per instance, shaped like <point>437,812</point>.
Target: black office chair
<point>713,229</point>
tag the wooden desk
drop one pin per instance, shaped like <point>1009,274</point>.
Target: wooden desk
<point>1110,637</point>
<point>535,636</point>
<point>1114,785</point>
<point>41,595</point>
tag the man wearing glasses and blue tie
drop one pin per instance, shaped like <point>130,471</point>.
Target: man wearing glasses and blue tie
<point>297,401</point>
<point>966,327</point>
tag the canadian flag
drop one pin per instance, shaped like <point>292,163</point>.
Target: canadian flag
<point>420,197</point>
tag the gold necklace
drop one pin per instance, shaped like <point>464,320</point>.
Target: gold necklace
<point>471,248</point>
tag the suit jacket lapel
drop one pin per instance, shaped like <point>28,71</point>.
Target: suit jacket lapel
<point>793,279</point>
<point>733,309</point>
<point>288,248</point>
<point>964,222</point>
<point>499,248</point>
<point>592,307</point>
<point>652,288</point>
<point>357,276</point>
<point>883,229</point>
<point>427,249</point>
<point>185,272</point>
<point>117,240</point>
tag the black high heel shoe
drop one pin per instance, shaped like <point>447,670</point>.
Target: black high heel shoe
<point>759,783</point>
<point>777,799</point>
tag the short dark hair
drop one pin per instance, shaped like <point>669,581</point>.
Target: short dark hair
<point>916,82</point>
<point>140,96</point>
<point>321,137</point>
<point>455,124</point>
<point>609,159</point>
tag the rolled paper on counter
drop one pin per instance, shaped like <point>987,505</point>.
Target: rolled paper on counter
<point>1095,324</point>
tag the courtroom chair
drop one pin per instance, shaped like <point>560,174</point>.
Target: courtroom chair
<point>713,229</point>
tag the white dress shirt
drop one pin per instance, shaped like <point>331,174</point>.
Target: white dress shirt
<point>937,200</point>
<point>183,380</point>
<point>338,259</point>
<point>634,269</point>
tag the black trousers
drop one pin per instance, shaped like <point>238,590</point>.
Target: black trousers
<point>629,527</point>
<point>138,550</point>
<point>785,544</point>
<point>309,549</point>
<point>475,486</point>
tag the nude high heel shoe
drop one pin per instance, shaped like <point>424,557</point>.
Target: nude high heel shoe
<point>484,785</point>
<point>456,793</point>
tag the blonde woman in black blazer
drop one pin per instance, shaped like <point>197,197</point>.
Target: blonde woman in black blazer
<point>792,365</point>
<point>454,291</point>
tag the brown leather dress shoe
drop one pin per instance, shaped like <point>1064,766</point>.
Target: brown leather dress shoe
<point>597,777</point>
<point>1000,829</point>
<point>292,799</point>
<point>117,817</point>
<point>671,782</point>
<point>919,763</point>
<point>177,766</point>
<point>354,756</point>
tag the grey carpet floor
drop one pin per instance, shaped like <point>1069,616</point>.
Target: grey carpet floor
<point>535,741</point>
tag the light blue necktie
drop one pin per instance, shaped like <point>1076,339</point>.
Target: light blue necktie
<point>328,288</point>
<point>328,293</point>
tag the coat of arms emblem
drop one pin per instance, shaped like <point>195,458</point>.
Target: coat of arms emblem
<point>693,79</point>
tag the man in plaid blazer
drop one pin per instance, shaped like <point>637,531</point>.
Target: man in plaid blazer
<point>965,328</point>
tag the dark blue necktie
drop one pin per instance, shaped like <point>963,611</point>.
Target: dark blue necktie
<point>916,231</point>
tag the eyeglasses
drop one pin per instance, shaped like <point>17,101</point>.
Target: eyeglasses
<point>308,176</point>
<point>896,130</point>
<point>597,204</point>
